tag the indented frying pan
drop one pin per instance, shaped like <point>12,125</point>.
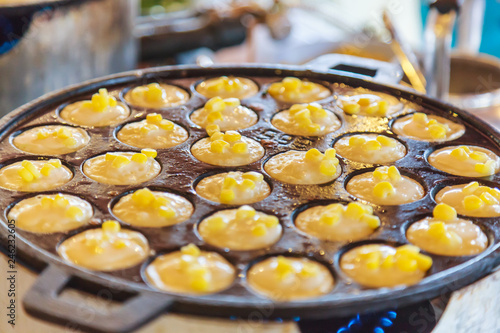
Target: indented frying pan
<point>138,302</point>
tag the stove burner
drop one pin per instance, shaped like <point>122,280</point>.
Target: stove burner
<point>418,318</point>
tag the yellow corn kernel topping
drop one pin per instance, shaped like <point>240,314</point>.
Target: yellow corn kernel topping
<point>460,154</point>
<point>153,92</point>
<point>437,229</point>
<point>364,101</point>
<point>488,199</point>
<point>444,212</point>
<point>139,158</point>
<point>229,182</point>
<point>166,212</point>
<point>240,148</point>
<point>111,226</point>
<point>371,220</point>
<point>270,221</point>
<point>259,230</point>
<point>328,167</point>
<point>356,140</point>
<point>74,212</point>
<point>245,212</point>
<point>247,184</point>
<point>232,136</point>
<point>351,108</point>
<point>154,118</point>
<point>305,115</point>
<point>101,101</point>
<point>478,156</point>
<point>314,155</point>
<point>143,197</point>
<point>472,202</point>
<point>284,267</point>
<point>383,190</point>
<point>120,161</point>
<point>191,250</point>
<point>216,224</point>
<point>470,188</point>
<point>120,244</point>
<point>387,173</point>
<point>420,117</point>
<point>438,131</point>
<point>309,270</point>
<point>354,210</point>
<point>408,258</point>
<point>254,176</point>
<point>227,196</point>
<point>386,141</point>
<point>215,104</point>
<point>211,129</point>
<point>28,165</point>
<point>219,146</point>
<point>487,168</point>
<point>47,169</point>
<point>149,152</point>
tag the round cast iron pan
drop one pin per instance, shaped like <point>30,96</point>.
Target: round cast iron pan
<point>138,302</point>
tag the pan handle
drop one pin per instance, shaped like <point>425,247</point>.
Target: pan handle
<point>364,68</point>
<point>43,300</point>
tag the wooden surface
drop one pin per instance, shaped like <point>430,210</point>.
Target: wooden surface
<point>472,309</point>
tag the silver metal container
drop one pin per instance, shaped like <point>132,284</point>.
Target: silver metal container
<point>52,44</point>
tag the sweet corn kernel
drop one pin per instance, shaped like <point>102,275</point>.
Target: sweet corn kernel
<point>364,101</point>
<point>232,102</point>
<point>232,136</point>
<point>381,173</point>
<point>313,155</point>
<point>166,125</point>
<point>291,83</point>
<point>354,210</point>
<point>356,140</point>
<point>309,269</point>
<point>139,158</point>
<point>329,167</point>
<point>160,201</point>
<point>437,229</point>
<point>218,146</point>
<point>74,212</point>
<point>143,197</point>
<point>451,238</point>
<point>259,230</point>
<point>284,267</point>
<point>488,199</point>
<point>313,128</point>
<point>166,212</point>
<point>372,221</point>
<point>120,161</point>
<point>372,145</point>
<point>383,107</point>
<point>109,157</point>
<point>215,104</point>
<point>191,250</point>
<point>200,284</point>
<point>217,136</point>
<point>42,134</point>
<point>240,148</point>
<point>111,226</point>
<point>247,184</point>
<point>383,190</point>
<point>372,109</point>
<point>420,117</point>
<point>154,92</point>
<point>444,212</point>
<point>388,261</point>
<point>47,169</point>
<point>60,201</point>
<point>245,212</point>
<point>25,175</point>
<point>46,201</point>
<point>478,156</point>
<point>460,154</point>
<point>270,221</point>
<point>212,128</point>
<point>471,188</point>
<point>154,118</point>
<point>424,262</point>
<point>254,176</point>
<point>216,224</point>
<point>229,182</point>
<point>351,108</point>
<point>149,152</point>
<point>386,141</point>
<point>70,142</point>
<point>373,260</point>
<point>406,264</point>
<point>146,128</point>
<point>329,218</point>
<point>437,131</point>
<point>330,153</point>
<point>466,149</point>
<point>55,162</point>
<point>213,116</point>
<point>28,165</point>
<point>432,122</point>
<point>487,168</point>
<point>119,244</point>
<point>63,133</point>
<point>227,196</point>
<point>394,174</point>
<point>472,202</point>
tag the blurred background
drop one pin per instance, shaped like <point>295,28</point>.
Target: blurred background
<point>49,44</point>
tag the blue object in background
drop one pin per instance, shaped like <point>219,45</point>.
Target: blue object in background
<point>490,41</point>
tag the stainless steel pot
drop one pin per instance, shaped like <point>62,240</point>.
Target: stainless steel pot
<point>47,45</point>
